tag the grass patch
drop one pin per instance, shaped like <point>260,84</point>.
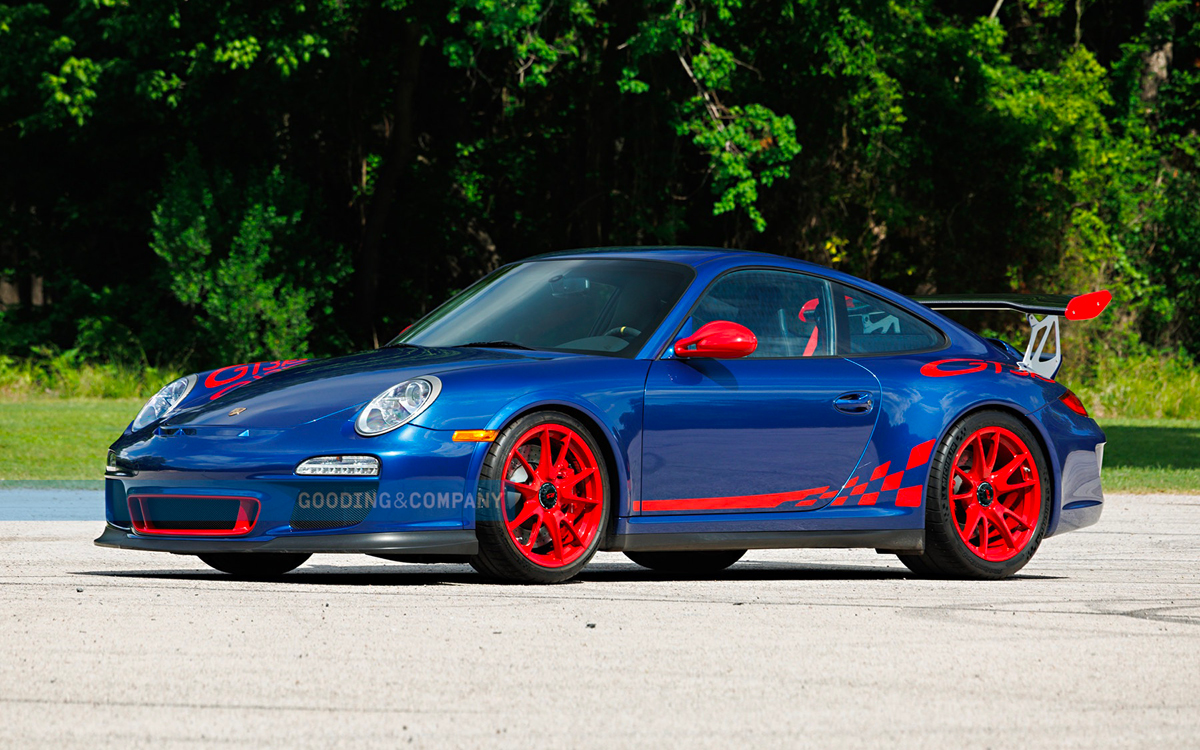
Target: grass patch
<point>60,438</point>
<point>1143,386</point>
<point>66,375</point>
<point>1152,455</point>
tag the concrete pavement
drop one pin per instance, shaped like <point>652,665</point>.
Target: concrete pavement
<point>1096,644</point>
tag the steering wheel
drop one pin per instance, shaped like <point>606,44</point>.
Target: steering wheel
<point>623,332</point>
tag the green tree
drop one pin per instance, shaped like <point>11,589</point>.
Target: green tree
<point>191,172</point>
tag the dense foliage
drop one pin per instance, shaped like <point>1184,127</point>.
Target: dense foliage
<point>198,181</point>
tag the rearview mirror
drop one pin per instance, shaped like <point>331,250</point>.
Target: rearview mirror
<point>719,339</point>
<point>565,286</point>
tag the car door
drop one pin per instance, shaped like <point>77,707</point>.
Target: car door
<point>778,430</point>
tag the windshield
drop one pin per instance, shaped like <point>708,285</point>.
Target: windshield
<point>595,306</point>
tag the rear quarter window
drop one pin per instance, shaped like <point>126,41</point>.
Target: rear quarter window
<point>878,327</point>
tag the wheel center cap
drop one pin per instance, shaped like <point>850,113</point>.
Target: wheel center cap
<point>548,496</point>
<point>985,494</point>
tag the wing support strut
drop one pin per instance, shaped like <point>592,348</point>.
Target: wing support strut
<point>1040,331</point>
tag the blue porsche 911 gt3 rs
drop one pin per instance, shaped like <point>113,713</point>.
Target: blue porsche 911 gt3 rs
<point>682,405</point>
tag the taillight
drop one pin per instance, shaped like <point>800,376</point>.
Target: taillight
<point>1073,403</point>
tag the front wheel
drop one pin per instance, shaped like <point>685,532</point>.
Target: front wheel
<point>547,477</point>
<point>255,565</point>
<point>987,502</point>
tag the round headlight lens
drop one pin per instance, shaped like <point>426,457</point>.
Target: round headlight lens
<point>161,403</point>
<point>397,405</point>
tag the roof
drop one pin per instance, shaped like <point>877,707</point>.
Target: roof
<point>691,255</point>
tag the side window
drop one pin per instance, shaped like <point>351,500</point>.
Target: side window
<point>878,327</point>
<point>789,313</point>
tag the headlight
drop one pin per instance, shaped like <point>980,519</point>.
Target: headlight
<point>161,403</point>
<point>397,405</point>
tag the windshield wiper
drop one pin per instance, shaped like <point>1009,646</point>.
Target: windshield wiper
<point>499,345</point>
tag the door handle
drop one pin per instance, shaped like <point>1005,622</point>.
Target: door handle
<point>855,402</point>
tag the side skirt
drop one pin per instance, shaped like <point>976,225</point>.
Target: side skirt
<point>892,540</point>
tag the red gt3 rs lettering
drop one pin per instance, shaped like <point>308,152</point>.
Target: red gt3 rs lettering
<point>954,367</point>
<point>944,368</point>
<point>235,376</point>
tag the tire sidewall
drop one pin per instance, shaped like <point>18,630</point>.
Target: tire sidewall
<point>939,516</point>
<point>490,525</point>
<point>252,565</point>
<point>688,563</point>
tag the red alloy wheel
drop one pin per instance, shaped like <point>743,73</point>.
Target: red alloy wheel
<point>560,490</point>
<point>995,494</point>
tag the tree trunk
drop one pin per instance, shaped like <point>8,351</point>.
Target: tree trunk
<point>9,293</point>
<point>399,154</point>
<point>1156,63</point>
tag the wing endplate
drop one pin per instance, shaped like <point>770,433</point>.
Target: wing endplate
<point>1088,306</point>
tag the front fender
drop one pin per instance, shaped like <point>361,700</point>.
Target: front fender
<point>607,392</point>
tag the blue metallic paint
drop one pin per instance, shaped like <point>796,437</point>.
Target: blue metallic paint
<point>717,428</point>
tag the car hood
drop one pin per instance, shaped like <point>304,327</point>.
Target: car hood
<point>322,388</point>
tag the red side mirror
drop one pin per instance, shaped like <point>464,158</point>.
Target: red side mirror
<point>719,339</point>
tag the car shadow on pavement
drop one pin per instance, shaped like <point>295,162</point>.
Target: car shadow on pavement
<point>447,574</point>
<point>767,572</point>
<point>757,572</point>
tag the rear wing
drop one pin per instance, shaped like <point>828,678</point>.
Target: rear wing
<point>1048,306</point>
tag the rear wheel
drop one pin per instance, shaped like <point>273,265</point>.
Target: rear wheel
<point>549,476</point>
<point>987,502</point>
<point>255,565</point>
<point>687,563</point>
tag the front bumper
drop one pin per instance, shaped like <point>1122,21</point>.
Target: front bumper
<point>425,485</point>
<point>437,543</point>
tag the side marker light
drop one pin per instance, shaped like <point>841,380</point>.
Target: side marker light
<point>475,436</point>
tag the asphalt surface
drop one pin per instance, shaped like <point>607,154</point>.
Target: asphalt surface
<point>1096,644</point>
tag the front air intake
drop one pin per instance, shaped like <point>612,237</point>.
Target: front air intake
<point>192,515</point>
<point>317,510</point>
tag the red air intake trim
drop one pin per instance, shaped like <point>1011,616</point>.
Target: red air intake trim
<point>222,515</point>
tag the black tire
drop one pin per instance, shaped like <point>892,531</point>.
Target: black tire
<point>691,563</point>
<point>499,557</point>
<point>255,565</point>
<point>946,554</point>
<point>918,565</point>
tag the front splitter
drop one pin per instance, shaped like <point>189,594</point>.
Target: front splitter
<point>441,542</point>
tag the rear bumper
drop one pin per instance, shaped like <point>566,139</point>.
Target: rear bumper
<point>1076,444</point>
<point>1082,496</point>
<point>432,543</point>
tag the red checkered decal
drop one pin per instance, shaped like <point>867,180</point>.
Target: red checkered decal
<point>902,488</point>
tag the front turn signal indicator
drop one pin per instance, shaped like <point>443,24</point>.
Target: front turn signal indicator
<point>475,436</point>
